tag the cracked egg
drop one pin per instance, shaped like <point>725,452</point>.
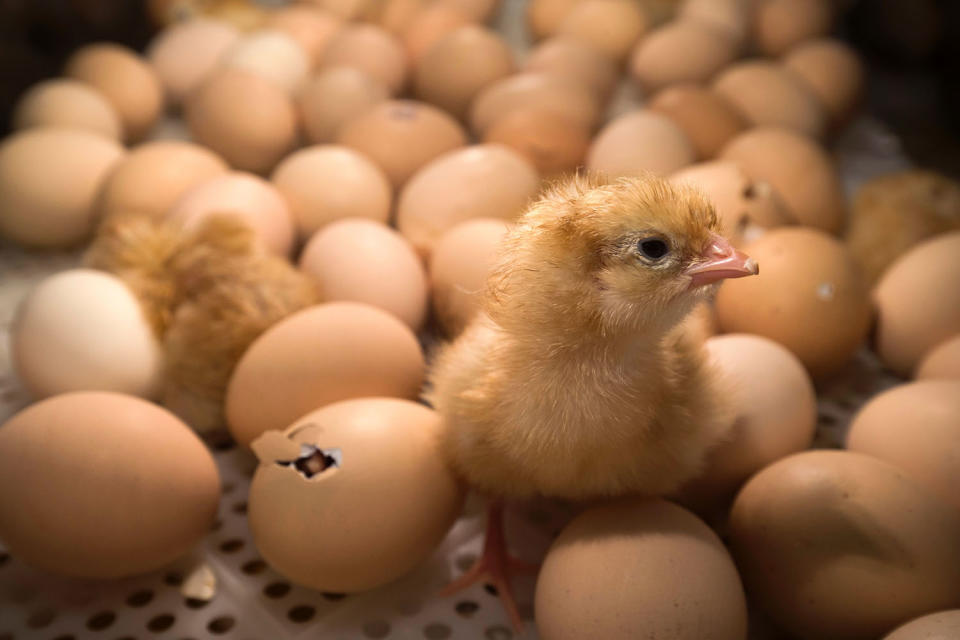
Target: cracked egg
<point>353,495</point>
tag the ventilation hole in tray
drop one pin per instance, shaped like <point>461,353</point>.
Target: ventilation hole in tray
<point>376,629</point>
<point>492,590</point>
<point>240,507</point>
<point>276,589</point>
<point>301,613</point>
<point>173,579</point>
<point>221,624</point>
<point>436,631</point>
<point>231,546</point>
<point>333,597</point>
<point>161,622</point>
<point>525,609</point>
<point>466,561</point>
<point>409,607</point>
<point>253,567</point>
<point>42,618</point>
<point>217,525</point>
<point>101,621</point>
<point>826,419</point>
<point>228,487</point>
<point>195,603</point>
<point>466,608</point>
<point>4,558</point>
<point>498,632</point>
<point>223,444</point>
<point>140,598</point>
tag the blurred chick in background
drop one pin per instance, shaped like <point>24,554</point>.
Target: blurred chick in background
<point>580,379</point>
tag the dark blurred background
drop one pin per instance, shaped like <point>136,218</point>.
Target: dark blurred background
<point>911,48</point>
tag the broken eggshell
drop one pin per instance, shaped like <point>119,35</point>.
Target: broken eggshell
<point>354,495</point>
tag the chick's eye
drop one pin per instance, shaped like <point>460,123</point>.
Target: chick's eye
<point>653,248</point>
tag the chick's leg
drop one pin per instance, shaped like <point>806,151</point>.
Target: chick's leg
<point>495,565</point>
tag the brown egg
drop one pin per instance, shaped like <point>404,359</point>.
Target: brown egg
<point>401,136</point>
<point>347,10</point>
<point>731,15</point>
<point>309,26</point>
<point>769,95</point>
<point>354,495</point>
<point>355,351</point>
<point>331,98</point>
<point>103,485</point>
<point>459,265</point>
<point>395,15</point>
<point>681,51</point>
<point>429,27</point>
<point>776,415</point>
<point>612,27</point>
<point>271,54</point>
<point>125,80</point>
<point>66,103</point>
<point>943,361</point>
<point>550,142</point>
<point>372,50</point>
<point>942,625</point>
<point>918,302</point>
<point>544,17</point>
<point>639,568</point>
<point>184,54</point>
<point>640,141</point>
<point>459,66</point>
<point>49,180</point>
<point>928,450</point>
<point>566,97</point>
<point>798,169</point>
<point>839,545</point>
<point>707,119</point>
<point>328,182</point>
<point>779,25</point>
<point>833,73</point>
<point>359,260</point>
<point>746,207</point>
<point>247,119</point>
<point>152,177</point>
<point>809,296</point>
<point>569,57</point>
<point>476,10</point>
<point>246,196</point>
<point>481,181</point>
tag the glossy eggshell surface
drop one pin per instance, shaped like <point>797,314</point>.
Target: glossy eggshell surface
<point>836,544</point>
<point>681,51</point>
<point>103,485</point>
<point>639,569</point>
<point>184,54</point>
<point>640,141</point>
<point>943,361</point>
<point>66,103</point>
<point>367,521</point>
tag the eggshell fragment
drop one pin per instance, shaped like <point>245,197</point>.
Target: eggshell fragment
<point>372,50</point>
<point>769,95</point>
<point>809,296</point>
<point>567,98</point>
<point>566,56</point>
<point>103,485</point>
<point>681,51</point>
<point>355,350</point>
<point>640,141</point>
<point>84,330</point>
<point>779,25</point>
<point>461,65</point>
<point>252,199</point>
<point>746,207</point>
<point>672,577</point>
<point>184,54</point>
<point>152,177</point>
<point>247,119</point>
<point>481,181</point>
<point>329,182</point>
<point>929,448</point>
<point>311,28</point>
<point>776,414</point>
<point>428,27</point>
<point>360,260</point>
<point>49,179</point>
<point>66,103</point>
<point>943,361</point>
<point>125,80</point>
<point>271,54</point>
<point>833,73</point>
<point>836,544</point>
<point>377,512</point>
<point>707,119</point>
<point>801,173</point>
<point>331,98</point>
<point>612,27</point>
<point>401,136</point>
<point>918,302</point>
<point>459,266</point>
<point>942,625</point>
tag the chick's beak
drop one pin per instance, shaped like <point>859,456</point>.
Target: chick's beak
<point>720,261</point>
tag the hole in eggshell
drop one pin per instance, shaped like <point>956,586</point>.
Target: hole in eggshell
<point>313,460</point>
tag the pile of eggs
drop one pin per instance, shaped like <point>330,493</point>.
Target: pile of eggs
<point>384,148</point>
